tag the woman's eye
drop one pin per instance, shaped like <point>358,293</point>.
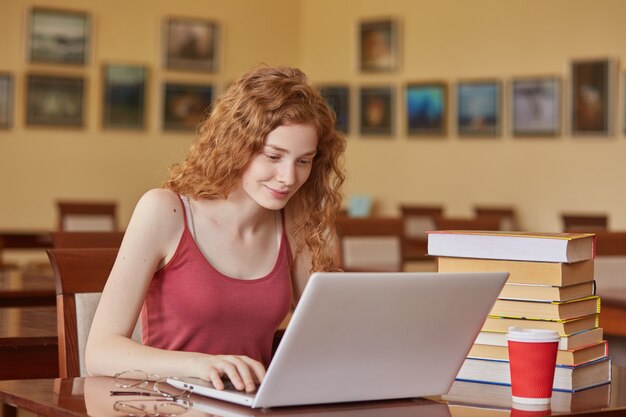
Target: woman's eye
<point>304,161</point>
<point>272,157</point>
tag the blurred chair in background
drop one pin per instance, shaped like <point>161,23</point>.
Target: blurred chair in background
<point>80,276</point>
<point>87,216</point>
<point>476,223</point>
<point>505,215</point>
<point>579,222</point>
<point>87,239</point>
<point>610,277</point>
<point>416,220</point>
<point>370,244</point>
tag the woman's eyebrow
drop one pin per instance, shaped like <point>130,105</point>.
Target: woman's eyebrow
<point>279,149</point>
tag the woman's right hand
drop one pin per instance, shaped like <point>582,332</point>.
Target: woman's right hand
<point>244,372</point>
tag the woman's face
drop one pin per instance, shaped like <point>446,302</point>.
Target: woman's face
<point>282,166</point>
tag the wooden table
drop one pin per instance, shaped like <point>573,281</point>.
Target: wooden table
<point>82,397</point>
<point>28,336</point>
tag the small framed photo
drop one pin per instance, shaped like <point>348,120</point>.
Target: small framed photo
<point>379,45</point>
<point>60,37</point>
<point>536,103</point>
<point>124,97</point>
<point>478,108</point>
<point>377,111</point>
<point>191,44</point>
<point>6,101</point>
<point>54,101</point>
<point>338,99</point>
<point>592,98</point>
<point>427,108</point>
<point>185,106</point>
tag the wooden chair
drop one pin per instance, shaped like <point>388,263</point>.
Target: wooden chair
<point>87,216</point>
<point>370,244</point>
<point>416,220</point>
<point>610,264</point>
<point>505,215</point>
<point>584,222</point>
<point>477,223</point>
<point>87,239</point>
<point>80,275</point>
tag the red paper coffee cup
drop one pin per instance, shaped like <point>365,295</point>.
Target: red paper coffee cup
<point>530,410</point>
<point>532,359</point>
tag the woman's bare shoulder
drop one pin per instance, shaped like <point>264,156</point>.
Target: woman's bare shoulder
<point>158,207</point>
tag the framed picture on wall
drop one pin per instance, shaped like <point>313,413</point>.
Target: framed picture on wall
<point>338,99</point>
<point>592,98</point>
<point>191,44</point>
<point>377,111</point>
<point>378,45</point>
<point>57,36</point>
<point>124,96</point>
<point>54,101</point>
<point>185,105</point>
<point>478,108</point>
<point>427,108</point>
<point>536,104</point>
<point>6,100</point>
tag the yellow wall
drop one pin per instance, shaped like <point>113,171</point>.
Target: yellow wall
<point>38,166</point>
<point>445,39</point>
<point>456,39</point>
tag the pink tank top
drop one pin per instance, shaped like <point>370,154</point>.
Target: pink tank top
<point>190,306</point>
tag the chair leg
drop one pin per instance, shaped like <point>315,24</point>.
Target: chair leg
<point>8,411</point>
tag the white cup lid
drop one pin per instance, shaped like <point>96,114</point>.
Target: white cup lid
<point>519,334</point>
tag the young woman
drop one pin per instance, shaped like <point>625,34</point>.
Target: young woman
<point>213,261</point>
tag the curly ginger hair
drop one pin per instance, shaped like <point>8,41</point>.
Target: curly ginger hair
<point>261,100</point>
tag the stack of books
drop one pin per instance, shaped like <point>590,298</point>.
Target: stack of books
<point>550,286</point>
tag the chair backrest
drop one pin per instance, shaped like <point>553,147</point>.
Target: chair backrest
<point>416,220</point>
<point>80,276</point>
<point>370,244</point>
<point>87,239</point>
<point>505,215</point>
<point>477,223</point>
<point>584,222</point>
<point>87,216</point>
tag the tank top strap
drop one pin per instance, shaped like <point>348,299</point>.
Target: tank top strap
<point>187,216</point>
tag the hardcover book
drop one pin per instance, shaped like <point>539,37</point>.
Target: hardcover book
<point>571,357</point>
<point>524,272</point>
<point>563,327</point>
<point>547,310</point>
<point>566,378</point>
<point>517,246</point>
<point>572,341</point>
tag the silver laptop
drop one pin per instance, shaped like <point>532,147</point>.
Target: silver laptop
<point>371,336</point>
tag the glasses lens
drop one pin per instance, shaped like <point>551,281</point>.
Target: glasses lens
<point>131,379</point>
<point>172,408</point>
<point>132,409</point>
<point>162,387</point>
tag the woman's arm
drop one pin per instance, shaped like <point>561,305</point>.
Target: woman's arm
<point>149,242</point>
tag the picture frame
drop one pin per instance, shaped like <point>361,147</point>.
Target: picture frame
<point>54,100</point>
<point>536,104</point>
<point>479,108</point>
<point>6,100</point>
<point>377,111</point>
<point>185,105</point>
<point>592,99</point>
<point>427,108</point>
<point>58,36</point>
<point>124,98</point>
<point>338,99</point>
<point>379,45</point>
<point>191,44</point>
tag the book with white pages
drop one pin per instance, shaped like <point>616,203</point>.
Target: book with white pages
<point>362,336</point>
<point>573,341</point>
